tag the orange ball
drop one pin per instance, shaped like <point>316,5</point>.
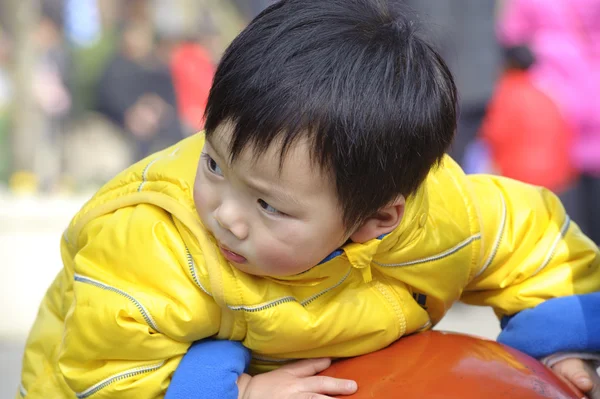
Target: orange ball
<point>443,365</point>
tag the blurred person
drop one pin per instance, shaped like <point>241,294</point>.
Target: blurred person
<point>6,96</point>
<point>5,84</point>
<point>50,79</point>
<point>528,136</point>
<point>564,35</point>
<point>317,216</point>
<point>136,92</point>
<point>193,70</point>
<point>185,39</point>
<point>53,97</point>
<point>464,33</point>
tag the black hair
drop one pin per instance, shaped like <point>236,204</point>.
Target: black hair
<point>376,101</point>
<point>519,57</point>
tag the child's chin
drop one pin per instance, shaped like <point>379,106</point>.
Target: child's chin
<point>258,271</point>
<point>249,269</point>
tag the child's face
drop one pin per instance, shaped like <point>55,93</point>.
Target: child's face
<point>267,220</point>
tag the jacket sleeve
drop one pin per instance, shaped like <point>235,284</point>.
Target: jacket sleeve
<point>209,370</point>
<point>568,324</point>
<point>531,250</point>
<point>136,306</point>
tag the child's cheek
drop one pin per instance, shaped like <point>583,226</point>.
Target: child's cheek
<point>280,259</point>
<point>200,199</point>
<point>204,210</point>
<point>205,198</point>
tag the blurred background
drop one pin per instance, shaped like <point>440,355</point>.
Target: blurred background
<point>89,86</point>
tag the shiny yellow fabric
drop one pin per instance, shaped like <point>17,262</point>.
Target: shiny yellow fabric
<point>142,279</point>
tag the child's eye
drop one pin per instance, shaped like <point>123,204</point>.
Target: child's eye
<point>212,165</point>
<point>268,208</point>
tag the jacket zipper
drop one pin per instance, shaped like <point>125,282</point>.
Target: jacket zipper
<point>268,305</point>
<point>277,302</point>
<point>118,377</point>
<point>192,268</point>
<point>144,312</point>
<point>22,390</point>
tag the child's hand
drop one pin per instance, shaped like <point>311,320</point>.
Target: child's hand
<point>581,374</point>
<point>295,381</point>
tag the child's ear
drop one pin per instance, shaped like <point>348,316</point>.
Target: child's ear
<point>382,222</point>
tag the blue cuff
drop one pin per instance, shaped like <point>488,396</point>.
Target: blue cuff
<point>209,370</point>
<point>568,324</point>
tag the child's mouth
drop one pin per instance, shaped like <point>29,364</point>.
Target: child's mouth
<point>232,256</point>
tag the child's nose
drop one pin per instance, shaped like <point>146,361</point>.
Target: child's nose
<point>230,218</point>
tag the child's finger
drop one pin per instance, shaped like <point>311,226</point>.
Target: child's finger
<point>576,372</point>
<point>328,385</point>
<point>306,368</point>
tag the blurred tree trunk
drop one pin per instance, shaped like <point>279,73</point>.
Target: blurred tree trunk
<point>25,114</point>
<point>220,19</point>
<point>227,19</point>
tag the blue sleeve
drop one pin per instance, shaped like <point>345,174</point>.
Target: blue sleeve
<point>567,324</point>
<point>209,370</point>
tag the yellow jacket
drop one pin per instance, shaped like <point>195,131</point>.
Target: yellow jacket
<point>142,279</point>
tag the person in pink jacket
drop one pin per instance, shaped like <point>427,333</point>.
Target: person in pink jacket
<point>565,38</point>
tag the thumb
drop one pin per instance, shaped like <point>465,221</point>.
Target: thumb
<point>594,393</point>
<point>306,368</point>
<point>576,372</point>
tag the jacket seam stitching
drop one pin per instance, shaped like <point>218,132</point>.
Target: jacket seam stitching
<point>395,303</point>
<point>441,255</point>
<point>462,186</point>
<point>561,234</point>
<point>498,239</point>
<point>147,168</point>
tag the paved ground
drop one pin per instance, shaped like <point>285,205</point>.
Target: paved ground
<point>30,231</point>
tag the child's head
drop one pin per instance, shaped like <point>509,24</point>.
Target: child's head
<point>518,58</point>
<point>338,110</point>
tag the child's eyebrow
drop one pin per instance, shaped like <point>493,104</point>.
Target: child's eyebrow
<point>271,191</point>
<point>274,192</point>
<point>215,149</point>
